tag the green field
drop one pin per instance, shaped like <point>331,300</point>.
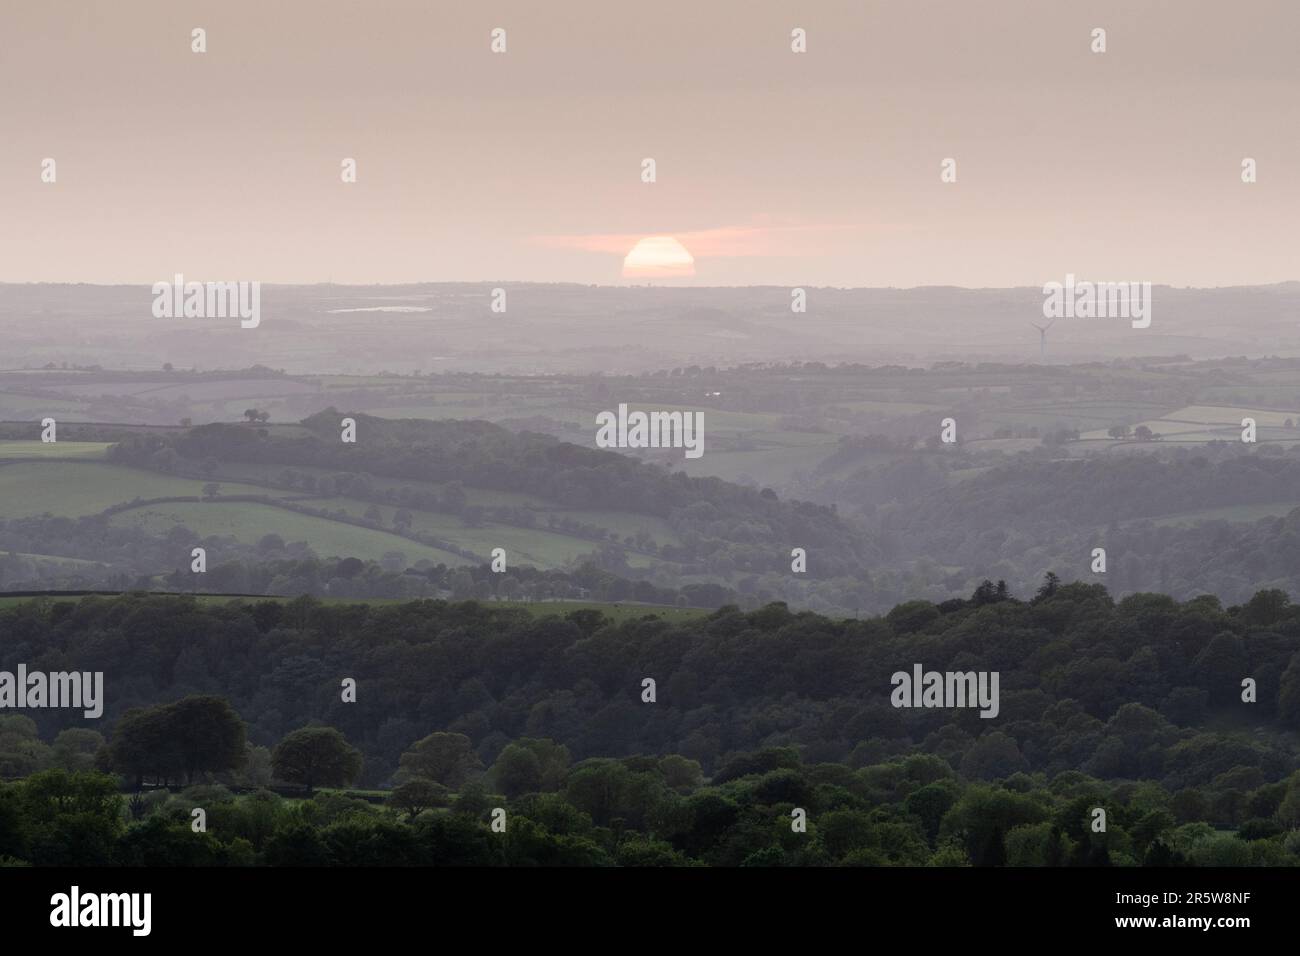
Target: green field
<point>249,521</point>
<point>15,407</point>
<point>270,474</point>
<point>75,488</point>
<point>767,454</point>
<point>1229,513</point>
<point>1009,445</point>
<point>1230,415</point>
<point>623,522</point>
<point>1204,423</point>
<point>78,485</point>
<point>539,547</point>
<point>82,450</point>
<point>892,409</point>
<point>59,559</point>
<point>773,464</point>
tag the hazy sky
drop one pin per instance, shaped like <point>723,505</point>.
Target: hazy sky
<point>773,167</point>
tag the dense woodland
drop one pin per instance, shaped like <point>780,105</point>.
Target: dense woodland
<point>1135,706</point>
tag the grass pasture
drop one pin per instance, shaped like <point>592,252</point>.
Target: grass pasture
<point>1248,513</point>
<point>539,546</point>
<point>76,488</point>
<point>1206,423</point>
<point>82,450</point>
<point>248,522</point>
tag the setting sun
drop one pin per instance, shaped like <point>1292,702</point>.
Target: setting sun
<point>658,257</point>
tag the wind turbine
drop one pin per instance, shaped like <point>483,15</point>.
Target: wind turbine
<point>1042,338</point>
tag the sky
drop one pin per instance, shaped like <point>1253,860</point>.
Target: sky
<point>772,167</point>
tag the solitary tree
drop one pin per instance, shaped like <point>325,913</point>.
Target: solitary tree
<point>189,736</point>
<point>416,796</point>
<point>208,734</point>
<point>140,747</point>
<point>531,766</point>
<point>448,759</point>
<point>316,756</point>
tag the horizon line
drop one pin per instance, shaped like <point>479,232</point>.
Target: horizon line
<point>644,285</point>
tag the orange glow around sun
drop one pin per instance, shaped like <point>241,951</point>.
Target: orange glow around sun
<point>658,257</point>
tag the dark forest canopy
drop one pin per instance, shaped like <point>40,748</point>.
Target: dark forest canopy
<point>771,741</point>
<point>1143,688</point>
